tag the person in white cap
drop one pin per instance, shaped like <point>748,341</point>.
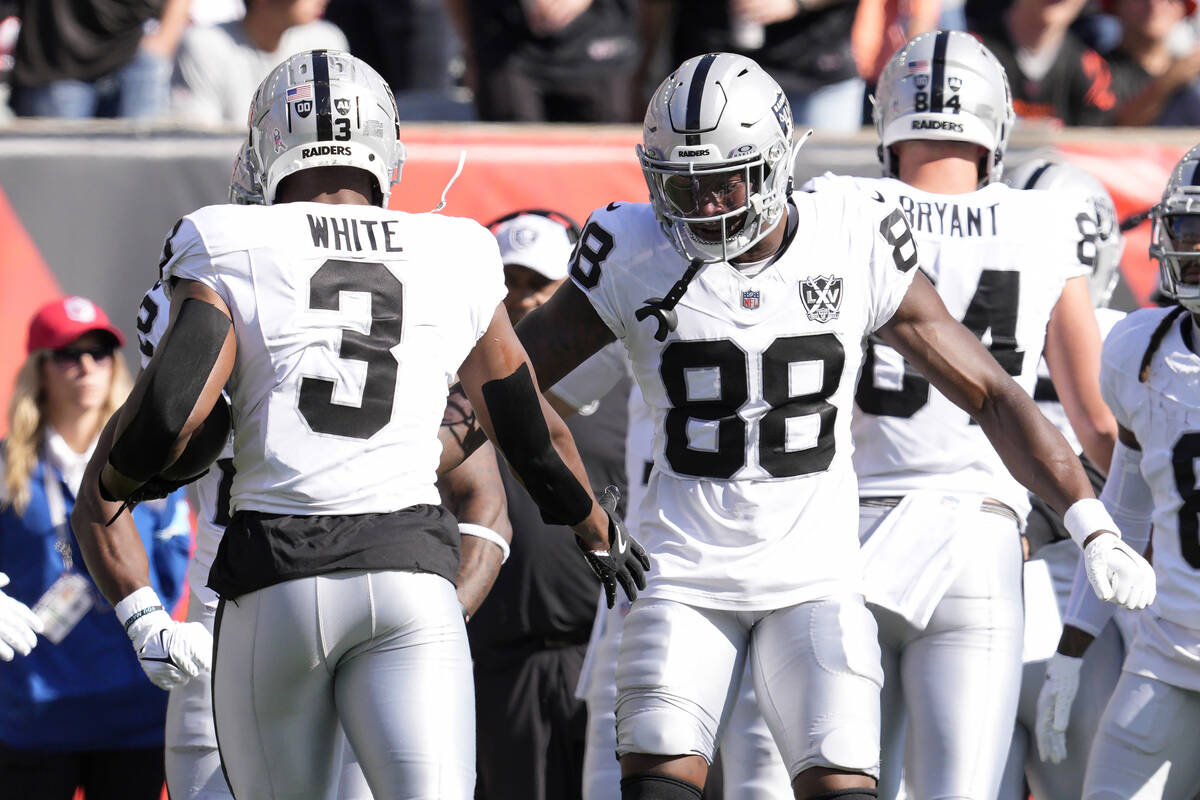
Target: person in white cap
<point>535,247</point>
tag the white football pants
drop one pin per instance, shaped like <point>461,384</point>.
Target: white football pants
<point>950,688</point>
<point>1098,677</point>
<point>751,765</point>
<point>384,653</point>
<point>816,675</point>
<point>1147,745</point>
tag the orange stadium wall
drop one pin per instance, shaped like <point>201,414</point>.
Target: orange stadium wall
<point>84,210</point>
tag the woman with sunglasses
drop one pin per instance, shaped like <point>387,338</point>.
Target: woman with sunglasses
<point>76,711</point>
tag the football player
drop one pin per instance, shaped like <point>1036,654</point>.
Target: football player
<point>193,764</point>
<point>743,308</point>
<point>1144,746</point>
<point>751,767</point>
<point>940,515</point>
<point>1053,556</point>
<point>324,314</point>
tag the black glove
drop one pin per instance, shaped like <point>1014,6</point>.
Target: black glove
<point>625,562</point>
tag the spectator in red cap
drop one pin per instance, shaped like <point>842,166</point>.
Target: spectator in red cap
<point>1153,86</point>
<point>77,710</point>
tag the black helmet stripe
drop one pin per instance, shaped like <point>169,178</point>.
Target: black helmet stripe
<point>320,65</point>
<point>1037,174</point>
<point>696,98</point>
<point>939,71</point>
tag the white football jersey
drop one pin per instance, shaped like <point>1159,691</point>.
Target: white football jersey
<point>351,323</point>
<point>1164,414</point>
<point>210,493</point>
<point>753,503</point>
<point>999,258</point>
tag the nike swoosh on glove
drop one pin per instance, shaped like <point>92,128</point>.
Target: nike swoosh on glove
<point>1054,706</point>
<point>171,653</point>
<point>1117,573</point>
<point>624,562</point>
<point>19,626</point>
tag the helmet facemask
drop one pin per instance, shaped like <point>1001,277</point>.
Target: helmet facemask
<point>744,195</point>
<point>1175,243</point>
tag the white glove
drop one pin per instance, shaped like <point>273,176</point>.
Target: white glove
<point>1054,706</point>
<point>1117,573</point>
<point>171,653</point>
<point>19,626</point>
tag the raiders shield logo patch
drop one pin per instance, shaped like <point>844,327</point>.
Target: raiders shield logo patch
<point>822,297</point>
<point>750,299</point>
<point>921,80</point>
<point>303,107</point>
<point>342,104</point>
<point>954,82</point>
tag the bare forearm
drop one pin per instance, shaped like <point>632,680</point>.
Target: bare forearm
<point>478,568</point>
<point>1032,449</point>
<point>114,554</point>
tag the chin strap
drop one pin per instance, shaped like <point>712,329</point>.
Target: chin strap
<point>663,308</point>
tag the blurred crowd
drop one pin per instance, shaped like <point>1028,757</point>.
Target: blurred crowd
<point>1072,62</point>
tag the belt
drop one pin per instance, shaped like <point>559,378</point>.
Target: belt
<point>990,505</point>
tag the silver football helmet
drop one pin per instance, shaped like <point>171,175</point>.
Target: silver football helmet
<point>1102,244</point>
<point>324,108</point>
<point>244,186</point>
<point>718,137</point>
<point>1175,233</point>
<point>944,85</point>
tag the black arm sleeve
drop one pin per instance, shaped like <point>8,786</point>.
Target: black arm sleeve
<point>523,437</point>
<point>174,379</point>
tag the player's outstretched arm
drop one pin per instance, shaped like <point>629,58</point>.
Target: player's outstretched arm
<point>474,492</point>
<point>557,336</point>
<point>500,383</point>
<point>1073,355</point>
<point>174,394</point>
<point>562,333</point>
<point>1032,449</point>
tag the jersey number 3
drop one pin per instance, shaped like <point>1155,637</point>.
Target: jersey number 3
<point>375,348</point>
<point>707,383</point>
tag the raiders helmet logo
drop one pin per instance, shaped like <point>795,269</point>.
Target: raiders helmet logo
<point>303,107</point>
<point>921,80</point>
<point>342,104</point>
<point>954,82</point>
<point>822,297</point>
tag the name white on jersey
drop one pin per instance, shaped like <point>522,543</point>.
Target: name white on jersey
<point>999,258</point>
<point>351,322</point>
<point>752,503</point>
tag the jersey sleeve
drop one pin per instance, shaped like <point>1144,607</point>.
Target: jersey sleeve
<point>154,312</point>
<point>186,256</point>
<point>595,377</point>
<point>486,273</point>
<point>592,270</point>
<point>892,256</point>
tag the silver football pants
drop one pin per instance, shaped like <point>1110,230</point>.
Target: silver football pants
<point>1146,747</point>
<point>950,688</point>
<point>751,765</point>
<point>383,653</point>
<point>816,675</point>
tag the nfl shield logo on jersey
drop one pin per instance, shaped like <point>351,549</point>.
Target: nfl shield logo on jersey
<point>750,299</point>
<point>822,297</point>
